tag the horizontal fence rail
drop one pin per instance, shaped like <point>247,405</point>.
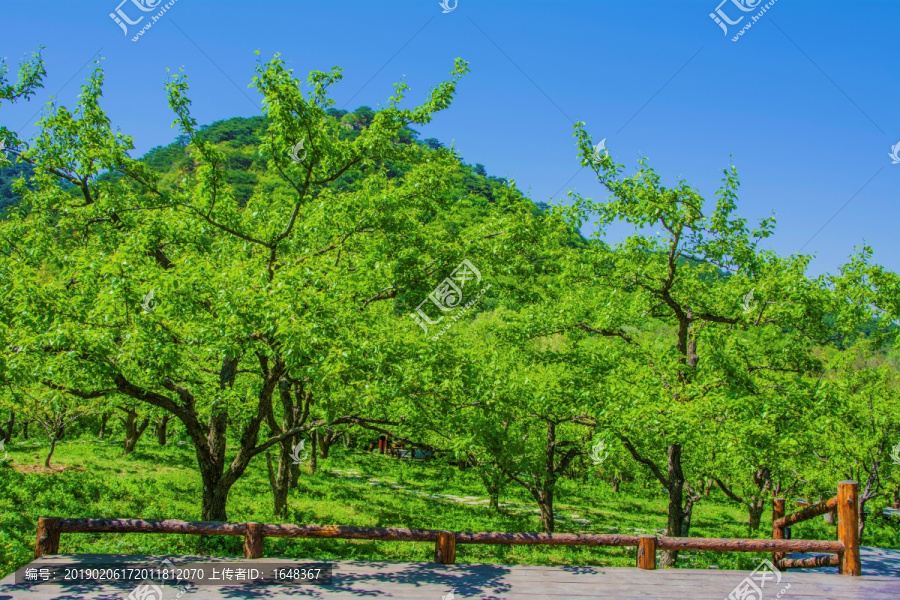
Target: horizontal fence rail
<point>547,539</point>
<point>846,506</point>
<point>393,534</point>
<point>807,513</point>
<point>150,526</point>
<point>845,503</point>
<point>823,560</point>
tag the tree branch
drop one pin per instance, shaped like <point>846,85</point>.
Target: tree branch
<point>645,461</point>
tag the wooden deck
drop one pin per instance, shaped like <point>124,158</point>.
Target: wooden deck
<point>429,581</point>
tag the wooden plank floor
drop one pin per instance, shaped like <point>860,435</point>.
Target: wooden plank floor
<point>429,581</point>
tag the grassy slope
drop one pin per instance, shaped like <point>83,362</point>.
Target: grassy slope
<point>157,483</point>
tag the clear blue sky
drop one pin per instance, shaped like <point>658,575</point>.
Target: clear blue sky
<point>807,101</point>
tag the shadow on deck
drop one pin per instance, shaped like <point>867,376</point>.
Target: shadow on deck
<point>430,581</point>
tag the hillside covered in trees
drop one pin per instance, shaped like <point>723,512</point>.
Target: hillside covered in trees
<point>239,138</point>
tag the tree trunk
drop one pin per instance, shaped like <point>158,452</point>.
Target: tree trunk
<point>217,480</point>
<point>494,499</point>
<point>755,503</point>
<point>7,430</point>
<point>543,485</point>
<point>313,439</point>
<point>50,453</point>
<point>616,482</point>
<point>162,425</point>
<point>762,478</point>
<point>544,498</point>
<point>295,475</point>
<point>215,502</point>
<point>675,519</point>
<point>295,410</point>
<point>282,476</point>
<point>280,480</point>
<point>681,508</point>
<point>493,479</point>
<point>327,440</point>
<point>688,510</point>
<point>209,439</point>
<point>25,429</point>
<point>103,419</point>
<point>755,508</point>
<point>215,491</point>
<point>133,430</point>
<point>862,515</point>
<point>873,484</point>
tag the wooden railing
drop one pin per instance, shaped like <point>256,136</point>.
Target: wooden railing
<point>846,505</point>
<point>847,546</point>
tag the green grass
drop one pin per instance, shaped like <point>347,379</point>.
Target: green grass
<point>160,483</point>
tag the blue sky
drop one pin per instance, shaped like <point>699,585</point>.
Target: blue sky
<point>806,103</point>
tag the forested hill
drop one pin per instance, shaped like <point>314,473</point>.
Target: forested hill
<point>239,139</point>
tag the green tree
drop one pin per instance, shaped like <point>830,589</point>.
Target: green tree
<point>52,410</point>
<point>688,283</point>
<point>31,77</point>
<point>509,411</point>
<point>244,293</point>
<point>856,418</point>
<point>858,423</point>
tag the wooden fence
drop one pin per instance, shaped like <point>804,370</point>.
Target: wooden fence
<point>844,552</point>
<point>846,505</point>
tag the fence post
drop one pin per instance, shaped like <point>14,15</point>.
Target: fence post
<point>253,541</point>
<point>445,548</point>
<point>777,532</point>
<point>848,526</point>
<point>47,537</point>
<point>646,552</point>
